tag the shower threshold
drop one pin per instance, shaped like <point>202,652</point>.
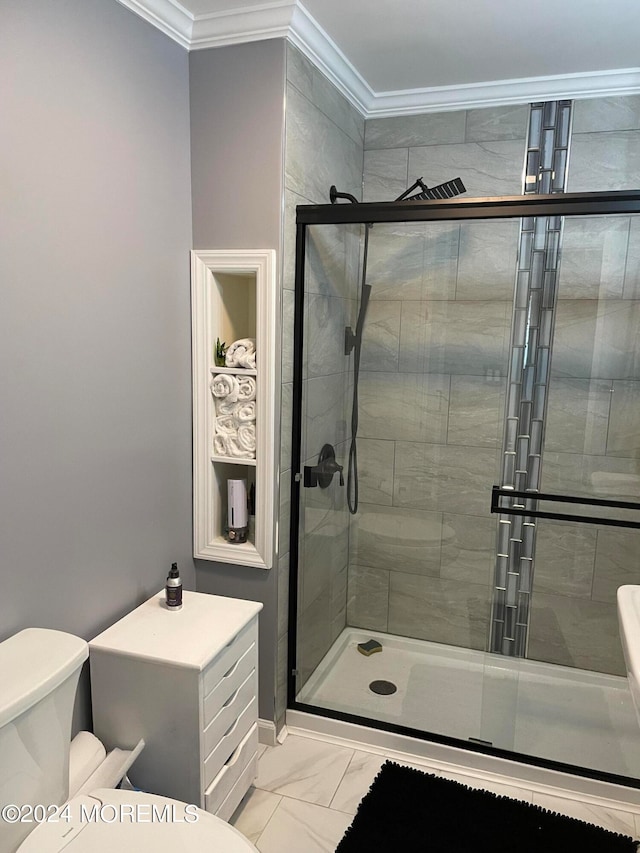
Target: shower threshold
<point>557,713</point>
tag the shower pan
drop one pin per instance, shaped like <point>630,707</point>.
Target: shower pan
<point>487,369</point>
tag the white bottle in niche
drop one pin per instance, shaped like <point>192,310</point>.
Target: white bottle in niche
<point>237,512</point>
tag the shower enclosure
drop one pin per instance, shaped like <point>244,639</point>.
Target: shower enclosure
<point>497,421</point>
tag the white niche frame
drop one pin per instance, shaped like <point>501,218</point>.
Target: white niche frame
<point>208,310</point>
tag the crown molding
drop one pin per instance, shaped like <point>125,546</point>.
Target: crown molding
<point>309,37</point>
<point>289,19</point>
<point>497,93</point>
<point>246,24</point>
<point>166,15</point>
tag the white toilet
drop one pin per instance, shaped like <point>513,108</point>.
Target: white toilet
<point>40,670</point>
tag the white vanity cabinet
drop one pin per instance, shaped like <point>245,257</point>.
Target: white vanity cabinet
<point>187,683</point>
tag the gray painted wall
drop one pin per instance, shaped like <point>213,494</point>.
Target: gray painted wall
<point>237,127</point>
<point>95,230</point>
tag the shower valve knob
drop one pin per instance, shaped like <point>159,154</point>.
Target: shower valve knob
<point>322,473</point>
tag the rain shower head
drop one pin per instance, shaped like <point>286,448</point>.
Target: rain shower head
<point>449,189</point>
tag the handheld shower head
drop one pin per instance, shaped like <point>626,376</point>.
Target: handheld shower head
<point>351,338</point>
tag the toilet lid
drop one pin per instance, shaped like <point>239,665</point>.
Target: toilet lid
<point>109,820</point>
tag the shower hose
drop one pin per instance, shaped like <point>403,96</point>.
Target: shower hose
<point>352,469</point>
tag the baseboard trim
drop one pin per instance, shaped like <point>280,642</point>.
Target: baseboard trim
<point>267,733</point>
<point>442,757</point>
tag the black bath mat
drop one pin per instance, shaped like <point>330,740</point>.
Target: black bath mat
<point>407,811</point>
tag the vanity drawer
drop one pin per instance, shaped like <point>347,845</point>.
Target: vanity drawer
<point>224,719</point>
<point>230,738</point>
<point>232,679</point>
<point>240,788</point>
<point>232,770</point>
<point>229,656</point>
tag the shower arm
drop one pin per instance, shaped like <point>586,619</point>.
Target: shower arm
<point>414,186</point>
<point>449,189</point>
<point>334,195</point>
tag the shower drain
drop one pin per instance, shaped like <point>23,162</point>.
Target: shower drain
<point>383,688</point>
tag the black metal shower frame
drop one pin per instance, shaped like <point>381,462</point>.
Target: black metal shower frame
<point>458,209</point>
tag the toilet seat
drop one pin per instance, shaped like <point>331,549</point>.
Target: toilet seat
<point>109,820</point>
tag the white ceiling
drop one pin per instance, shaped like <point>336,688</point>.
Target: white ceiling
<point>402,56</point>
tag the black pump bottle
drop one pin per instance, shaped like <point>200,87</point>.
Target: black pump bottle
<point>173,588</point>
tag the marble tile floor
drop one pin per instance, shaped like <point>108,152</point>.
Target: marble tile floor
<point>308,789</point>
<point>555,712</point>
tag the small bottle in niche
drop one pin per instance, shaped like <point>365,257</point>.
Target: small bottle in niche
<point>173,588</point>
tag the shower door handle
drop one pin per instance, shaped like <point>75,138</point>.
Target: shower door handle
<point>528,506</point>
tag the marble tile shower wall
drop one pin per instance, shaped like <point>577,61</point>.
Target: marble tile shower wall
<point>443,582</point>
<point>432,387</point>
<point>433,377</point>
<point>323,146</point>
<point>592,441</point>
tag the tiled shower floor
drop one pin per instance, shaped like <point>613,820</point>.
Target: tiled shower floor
<point>554,712</point>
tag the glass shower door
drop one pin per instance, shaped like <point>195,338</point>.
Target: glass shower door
<point>568,701</point>
<point>453,324</point>
<point>330,289</point>
<point>415,562</point>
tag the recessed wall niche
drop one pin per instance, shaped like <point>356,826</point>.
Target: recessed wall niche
<point>234,297</point>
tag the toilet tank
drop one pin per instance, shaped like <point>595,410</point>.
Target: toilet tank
<point>39,669</point>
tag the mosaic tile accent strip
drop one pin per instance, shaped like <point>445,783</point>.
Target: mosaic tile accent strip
<point>548,138</point>
<point>534,309</point>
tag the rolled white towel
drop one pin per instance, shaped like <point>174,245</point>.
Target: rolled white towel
<point>235,449</point>
<point>246,389</point>
<point>226,425</point>
<point>224,406</point>
<point>241,353</point>
<point>225,385</point>
<point>245,413</point>
<point>221,445</point>
<point>248,360</point>
<point>247,437</point>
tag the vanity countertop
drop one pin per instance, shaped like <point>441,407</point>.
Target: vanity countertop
<point>191,636</point>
